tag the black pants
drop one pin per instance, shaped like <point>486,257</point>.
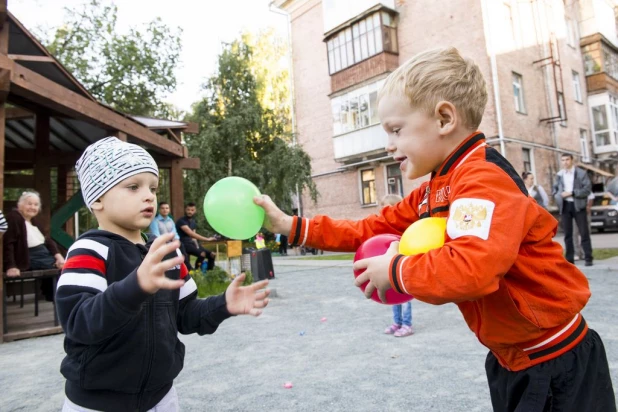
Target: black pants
<point>581,219</point>
<point>41,259</point>
<point>283,245</point>
<point>193,249</point>
<point>576,381</point>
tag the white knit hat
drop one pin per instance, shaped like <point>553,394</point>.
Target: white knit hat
<point>107,162</point>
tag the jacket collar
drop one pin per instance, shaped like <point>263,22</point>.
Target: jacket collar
<point>466,147</point>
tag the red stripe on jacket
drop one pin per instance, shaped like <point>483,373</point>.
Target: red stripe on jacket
<point>85,262</point>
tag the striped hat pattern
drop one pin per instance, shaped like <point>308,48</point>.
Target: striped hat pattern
<point>107,162</point>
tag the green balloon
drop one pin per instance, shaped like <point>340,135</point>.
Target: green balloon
<point>230,210</point>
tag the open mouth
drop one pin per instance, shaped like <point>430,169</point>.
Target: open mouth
<point>148,210</point>
<point>400,158</point>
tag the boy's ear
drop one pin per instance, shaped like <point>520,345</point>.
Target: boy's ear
<point>97,205</point>
<point>446,115</point>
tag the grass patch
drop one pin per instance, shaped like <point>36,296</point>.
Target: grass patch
<point>600,254</point>
<point>344,256</point>
<point>215,282</point>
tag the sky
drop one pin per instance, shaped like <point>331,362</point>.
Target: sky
<point>205,23</point>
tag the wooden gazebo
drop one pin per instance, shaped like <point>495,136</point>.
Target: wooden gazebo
<point>47,118</point>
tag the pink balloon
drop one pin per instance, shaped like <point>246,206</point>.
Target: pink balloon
<point>377,246</point>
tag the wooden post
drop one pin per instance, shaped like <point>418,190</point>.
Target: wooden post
<point>176,190</point>
<point>5,86</point>
<point>65,191</point>
<point>42,180</point>
<point>120,135</point>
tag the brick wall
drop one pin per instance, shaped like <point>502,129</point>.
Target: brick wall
<point>423,26</point>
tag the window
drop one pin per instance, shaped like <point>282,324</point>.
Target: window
<point>526,156</point>
<point>368,186</point>
<point>571,35</point>
<point>601,125</point>
<point>394,182</point>
<point>562,110</point>
<point>371,35</point>
<point>356,109</point>
<point>518,93</point>
<point>583,144</point>
<point>577,89</point>
<point>508,21</point>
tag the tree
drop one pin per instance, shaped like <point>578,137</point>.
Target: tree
<point>240,137</point>
<point>131,72</point>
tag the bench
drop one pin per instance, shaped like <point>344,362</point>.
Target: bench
<point>34,275</point>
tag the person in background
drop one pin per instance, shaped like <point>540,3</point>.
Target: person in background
<point>577,237</point>
<point>186,228</point>
<point>3,224</point>
<point>535,191</point>
<point>402,314</point>
<point>25,246</point>
<point>260,243</point>
<point>571,191</point>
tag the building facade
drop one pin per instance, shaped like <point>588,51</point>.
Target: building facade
<point>529,52</point>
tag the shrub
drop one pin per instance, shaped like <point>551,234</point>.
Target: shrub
<point>215,282</point>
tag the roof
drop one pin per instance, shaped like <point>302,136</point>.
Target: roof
<point>23,45</point>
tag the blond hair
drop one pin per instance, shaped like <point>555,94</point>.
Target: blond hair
<point>441,74</point>
<point>390,200</point>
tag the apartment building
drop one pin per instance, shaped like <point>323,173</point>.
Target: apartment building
<point>529,52</point>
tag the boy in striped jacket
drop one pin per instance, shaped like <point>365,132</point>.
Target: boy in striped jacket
<point>122,298</point>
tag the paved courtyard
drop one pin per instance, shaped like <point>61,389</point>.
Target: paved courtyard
<point>340,363</point>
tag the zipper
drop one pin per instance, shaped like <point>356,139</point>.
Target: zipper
<point>478,336</point>
<point>151,343</point>
<point>427,192</point>
<point>151,313</point>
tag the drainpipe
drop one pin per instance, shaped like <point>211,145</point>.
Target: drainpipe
<point>277,10</point>
<point>494,72</point>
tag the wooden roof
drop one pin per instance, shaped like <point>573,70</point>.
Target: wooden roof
<point>38,82</point>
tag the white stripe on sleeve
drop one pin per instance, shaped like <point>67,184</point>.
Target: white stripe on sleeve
<point>188,288</point>
<point>101,249</point>
<point>82,279</point>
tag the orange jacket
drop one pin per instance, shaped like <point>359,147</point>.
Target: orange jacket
<point>499,263</point>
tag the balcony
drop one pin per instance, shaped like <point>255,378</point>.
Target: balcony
<point>364,47</point>
<point>601,63</point>
<point>360,143</point>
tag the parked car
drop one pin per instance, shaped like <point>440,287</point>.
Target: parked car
<point>604,212</point>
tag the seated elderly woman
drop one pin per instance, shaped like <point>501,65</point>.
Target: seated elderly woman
<point>25,246</point>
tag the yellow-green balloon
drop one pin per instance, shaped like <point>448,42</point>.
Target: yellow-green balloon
<point>230,210</point>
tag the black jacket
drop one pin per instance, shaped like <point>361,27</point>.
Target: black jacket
<point>123,351</point>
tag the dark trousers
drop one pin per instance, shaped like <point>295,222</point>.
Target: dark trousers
<point>581,219</point>
<point>283,245</point>
<point>576,381</point>
<point>193,249</point>
<point>41,259</point>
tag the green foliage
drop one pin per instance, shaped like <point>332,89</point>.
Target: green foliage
<point>131,72</point>
<point>215,282</point>
<point>244,130</point>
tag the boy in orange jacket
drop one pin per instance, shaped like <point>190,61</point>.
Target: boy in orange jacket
<point>499,263</point>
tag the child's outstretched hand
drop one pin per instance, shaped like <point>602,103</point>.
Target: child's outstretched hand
<point>275,221</point>
<point>376,272</point>
<point>151,273</point>
<point>246,300</point>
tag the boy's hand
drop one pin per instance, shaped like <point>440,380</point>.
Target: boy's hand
<point>376,272</point>
<point>246,300</point>
<point>151,273</point>
<point>275,221</point>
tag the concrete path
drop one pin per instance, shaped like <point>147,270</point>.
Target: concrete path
<point>325,338</point>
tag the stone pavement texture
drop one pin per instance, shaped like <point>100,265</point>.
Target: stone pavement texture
<point>341,363</point>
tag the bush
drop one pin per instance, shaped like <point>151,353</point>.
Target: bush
<point>215,282</point>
